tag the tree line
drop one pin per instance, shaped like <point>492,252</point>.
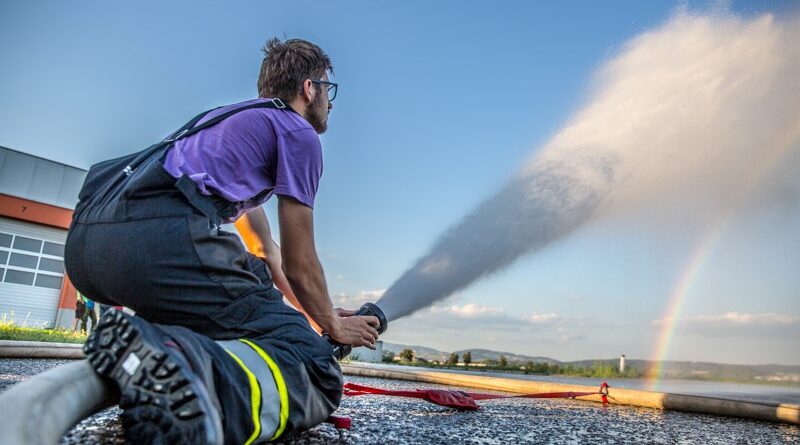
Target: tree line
<point>598,369</point>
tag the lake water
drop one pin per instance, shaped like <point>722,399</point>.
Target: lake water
<point>733,391</point>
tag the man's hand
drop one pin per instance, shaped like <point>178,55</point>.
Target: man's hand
<point>355,330</point>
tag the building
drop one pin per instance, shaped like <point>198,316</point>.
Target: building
<point>368,355</point>
<point>37,197</point>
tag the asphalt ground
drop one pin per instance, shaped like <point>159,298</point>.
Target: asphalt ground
<point>383,419</point>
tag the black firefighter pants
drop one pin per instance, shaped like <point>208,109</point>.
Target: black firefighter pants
<point>168,260</point>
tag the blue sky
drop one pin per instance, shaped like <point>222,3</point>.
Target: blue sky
<point>439,103</point>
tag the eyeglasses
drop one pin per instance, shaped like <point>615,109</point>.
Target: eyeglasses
<point>332,87</point>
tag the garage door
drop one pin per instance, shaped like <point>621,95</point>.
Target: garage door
<point>31,272</point>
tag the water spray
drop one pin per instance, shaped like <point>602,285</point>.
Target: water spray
<point>687,119</point>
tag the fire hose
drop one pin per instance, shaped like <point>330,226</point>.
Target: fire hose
<point>459,400</point>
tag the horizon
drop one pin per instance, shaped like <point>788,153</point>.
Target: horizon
<point>595,358</point>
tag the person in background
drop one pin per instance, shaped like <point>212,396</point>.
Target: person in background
<point>88,313</point>
<point>80,308</point>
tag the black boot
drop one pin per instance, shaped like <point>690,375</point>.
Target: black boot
<point>163,400</point>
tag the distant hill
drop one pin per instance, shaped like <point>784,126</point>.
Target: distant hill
<point>670,369</point>
<point>478,355</point>
<point>419,351</point>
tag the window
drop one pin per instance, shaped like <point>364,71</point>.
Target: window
<point>31,261</point>
<point>50,281</point>
<point>49,265</point>
<point>54,249</point>
<point>18,277</point>
<point>22,260</point>
<point>29,244</point>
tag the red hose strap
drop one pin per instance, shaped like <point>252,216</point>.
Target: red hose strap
<point>340,423</point>
<point>351,389</point>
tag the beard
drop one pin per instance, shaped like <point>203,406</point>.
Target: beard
<point>318,114</point>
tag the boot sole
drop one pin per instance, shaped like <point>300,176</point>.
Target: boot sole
<point>162,400</point>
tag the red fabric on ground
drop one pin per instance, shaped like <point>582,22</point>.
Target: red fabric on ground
<point>465,400</point>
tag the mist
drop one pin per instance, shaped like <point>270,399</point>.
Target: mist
<point>697,118</point>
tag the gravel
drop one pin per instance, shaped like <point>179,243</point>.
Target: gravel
<point>383,419</point>
<point>13,370</point>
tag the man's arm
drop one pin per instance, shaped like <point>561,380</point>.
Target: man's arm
<point>255,230</point>
<point>304,272</point>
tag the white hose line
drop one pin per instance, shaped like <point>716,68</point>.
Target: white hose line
<point>43,408</point>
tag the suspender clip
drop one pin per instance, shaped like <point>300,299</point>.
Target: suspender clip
<point>177,136</point>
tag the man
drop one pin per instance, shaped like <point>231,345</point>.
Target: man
<point>146,235</point>
<point>87,314</point>
<point>80,309</point>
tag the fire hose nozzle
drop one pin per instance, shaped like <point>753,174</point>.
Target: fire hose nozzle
<point>341,351</point>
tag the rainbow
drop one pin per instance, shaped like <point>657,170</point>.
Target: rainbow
<point>677,300</point>
<point>784,144</point>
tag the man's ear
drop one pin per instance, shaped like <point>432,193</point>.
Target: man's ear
<point>308,90</point>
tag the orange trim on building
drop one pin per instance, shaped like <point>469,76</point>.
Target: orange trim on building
<point>68,294</point>
<point>32,211</point>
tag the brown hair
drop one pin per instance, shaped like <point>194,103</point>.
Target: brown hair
<point>287,64</point>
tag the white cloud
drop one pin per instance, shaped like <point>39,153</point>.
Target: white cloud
<point>354,301</point>
<point>374,294</point>
<point>734,319</point>
<point>491,313</point>
<point>473,325</point>
<point>489,320</point>
<point>469,310</point>
<point>767,325</point>
<point>543,318</point>
<point>484,317</point>
<point>565,335</point>
<point>737,318</point>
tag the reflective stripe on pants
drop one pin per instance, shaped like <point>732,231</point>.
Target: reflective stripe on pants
<point>269,400</point>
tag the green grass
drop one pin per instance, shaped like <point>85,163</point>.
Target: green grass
<point>11,331</point>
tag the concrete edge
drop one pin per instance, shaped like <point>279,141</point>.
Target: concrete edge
<point>781,413</point>
<point>40,349</point>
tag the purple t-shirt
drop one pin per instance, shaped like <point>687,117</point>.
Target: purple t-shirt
<point>250,156</point>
